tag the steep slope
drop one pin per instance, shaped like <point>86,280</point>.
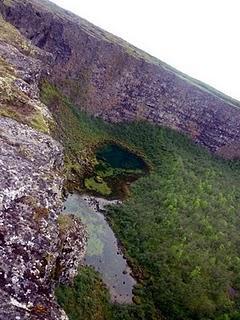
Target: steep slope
<point>38,247</point>
<point>180,223</point>
<point>113,80</point>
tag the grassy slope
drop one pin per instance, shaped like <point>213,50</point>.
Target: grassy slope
<point>180,224</point>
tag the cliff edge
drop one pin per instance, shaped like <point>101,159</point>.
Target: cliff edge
<point>111,79</point>
<point>39,247</point>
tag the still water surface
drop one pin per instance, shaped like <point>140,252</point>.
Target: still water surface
<point>103,253</point>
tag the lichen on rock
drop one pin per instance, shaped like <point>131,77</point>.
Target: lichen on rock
<point>35,255</point>
<point>21,66</point>
<point>31,243</point>
<point>111,79</point>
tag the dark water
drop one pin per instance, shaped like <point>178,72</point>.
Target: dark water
<point>102,250</point>
<point>119,157</point>
<point>115,170</point>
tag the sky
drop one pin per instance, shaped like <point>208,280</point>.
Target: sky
<point>198,37</point>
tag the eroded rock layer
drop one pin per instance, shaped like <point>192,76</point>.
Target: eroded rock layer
<point>38,246</point>
<point>35,252</point>
<point>111,79</point>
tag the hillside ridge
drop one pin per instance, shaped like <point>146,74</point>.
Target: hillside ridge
<point>109,78</point>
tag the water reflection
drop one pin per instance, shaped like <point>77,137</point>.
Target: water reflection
<point>103,252</point>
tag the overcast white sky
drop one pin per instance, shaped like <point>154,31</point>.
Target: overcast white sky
<point>198,37</point>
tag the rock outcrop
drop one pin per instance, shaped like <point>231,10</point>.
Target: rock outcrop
<point>38,247</point>
<point>110,79</point>
<point>113,80</point>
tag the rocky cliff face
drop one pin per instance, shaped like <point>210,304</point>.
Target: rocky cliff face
<point>105,76</point>
<point>113,80</point>
<point>38,246</point>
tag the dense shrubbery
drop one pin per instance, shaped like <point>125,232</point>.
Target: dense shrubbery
<point>180,224</point>
<point>88,299</point>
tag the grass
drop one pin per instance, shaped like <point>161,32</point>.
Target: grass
<point>97,185</point>
<point>180,224</point>
<point>38,122</point>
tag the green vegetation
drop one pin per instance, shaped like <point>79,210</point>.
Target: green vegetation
<point>79,133</point>
<point>14,103</point>
<point>82,135</point>
<point>97,185</point>
<point>115,166</point>
<point>65,222</point>
<point>180,225</point>
<point>88,299</point>
<point>38,122</point>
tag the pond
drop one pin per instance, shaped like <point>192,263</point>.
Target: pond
<point>114,171</point>
<point>118,157</point>
<point>103,252</point>
<point>116,168</point>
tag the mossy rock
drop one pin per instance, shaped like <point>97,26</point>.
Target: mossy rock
<point>100,187</point>
<point>99,179</point>
<point>65,222</point>
<point>39,123</point>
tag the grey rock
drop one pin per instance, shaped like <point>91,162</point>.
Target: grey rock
<point>38,250</point>
<point>117,82</point>
<point>31,245</point>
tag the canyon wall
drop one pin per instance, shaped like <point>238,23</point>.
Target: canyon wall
<point>39,246</point>
<point>111,79</point>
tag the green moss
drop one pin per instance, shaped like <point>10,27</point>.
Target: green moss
<point>36,120</point>
<point>39,123</point>
<point>65,222</point>
<point>9,34</point>
<point>7,112</point>
<point>94,184</point>
<point>17,105</point>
